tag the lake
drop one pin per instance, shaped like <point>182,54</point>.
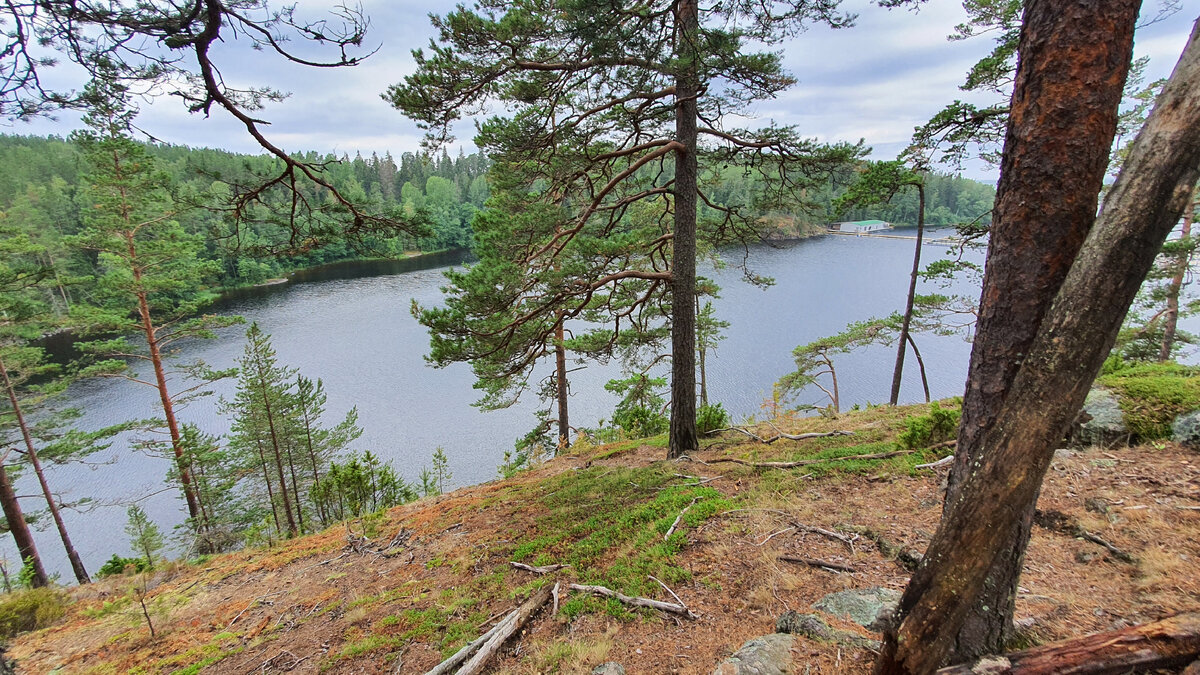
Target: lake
<point>350,325</point>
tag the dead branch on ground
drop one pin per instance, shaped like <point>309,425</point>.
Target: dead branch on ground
<point>545,569</point>
<point>678,519</point>
<point>782,435</point>
<point>808,462</point>
<point>1058,521</point>
<point>820,564</point>
<point>680,609</point>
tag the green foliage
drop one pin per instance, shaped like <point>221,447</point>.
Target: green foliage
<point>1153,395</point>
<point>118,565</point>
<point>441,469</point>
<point>145,537</point>
<point>815,359</point>
<point>711,417</point>
<point>922,431</point>
<point>360,485</point>
<point>641,410</point>
<point>30,609</point>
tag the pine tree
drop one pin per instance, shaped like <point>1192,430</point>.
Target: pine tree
<point>149,268</point>
<point>145,537</point>
<point>608,104</point>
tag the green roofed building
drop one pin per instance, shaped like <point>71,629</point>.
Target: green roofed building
<point>860,226</point>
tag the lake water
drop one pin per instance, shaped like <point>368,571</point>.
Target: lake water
<point>350,325</point>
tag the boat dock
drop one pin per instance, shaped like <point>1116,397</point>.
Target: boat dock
<point>937,241</point>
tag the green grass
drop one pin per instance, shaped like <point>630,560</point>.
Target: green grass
<point>1153,395</point>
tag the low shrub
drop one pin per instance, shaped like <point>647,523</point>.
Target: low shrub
<point>922,431</point>
<point>118,565</point>
<point>710,418</point>
<point>31,609</point>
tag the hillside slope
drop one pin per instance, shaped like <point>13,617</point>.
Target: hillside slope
<point>400,592</point>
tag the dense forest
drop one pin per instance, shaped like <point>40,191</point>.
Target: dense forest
<point>39,192</point>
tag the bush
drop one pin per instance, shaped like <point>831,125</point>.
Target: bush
<point>1153,395</point>
<point>28,610</point>
<point>117,565</point>
<point>711,417</point>
<point>922,431</point>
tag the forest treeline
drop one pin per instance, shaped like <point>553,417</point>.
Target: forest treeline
<point>39,192</point>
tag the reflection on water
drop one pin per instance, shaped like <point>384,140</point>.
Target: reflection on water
<point>349,324</point>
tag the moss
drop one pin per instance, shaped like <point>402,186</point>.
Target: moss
<point>1153,395</point>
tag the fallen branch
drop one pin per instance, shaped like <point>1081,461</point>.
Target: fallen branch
<point>781,435</point>
<point>1061,522</point>
<point>492,639</point>
<point>941,462</point>
<point>800,526</point>
<point>1172,642</point>
<point>545,569</point>
<point>678,519</point>
<point>822,564</point>
<point>504,630</point>
<point>252,603</point>
<point>661,606</point>
<point>807,462</point>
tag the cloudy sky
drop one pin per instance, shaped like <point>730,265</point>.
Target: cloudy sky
<point>876,81</point>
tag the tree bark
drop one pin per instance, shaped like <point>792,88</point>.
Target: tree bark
<point>77,567</point>
<point>683,437</point>
<point>26,548</point>
<point>560,384</point>
<point>1050,386</point>
<point>1169,643</point>
<point>902,343</point>
<point>1171,320</point>
<point>921,366</point>
<point>1073,60</point>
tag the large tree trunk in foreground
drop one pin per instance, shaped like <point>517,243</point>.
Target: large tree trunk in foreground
<point>683,257</point>
<point>1070,74</point>
<point>26,548</point>
<point>77,567</point>
<point>1049,389</point>
<point>1172,642</point>
<point>902,342</point>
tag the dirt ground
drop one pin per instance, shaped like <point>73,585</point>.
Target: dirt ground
<point>344,601</point>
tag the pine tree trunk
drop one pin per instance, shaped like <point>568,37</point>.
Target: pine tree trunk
<point>1073,59</point>
<point>26,548</point>
<point>283,491</point>
<point>1049,388</point>
<point>1171,320</point>
<point>902,343</point>
<point>683,257</point>
<point>164,394</point>
<point>77,567</point>
<point>267,479</point>
<point>561,387</point>
<point>921,365</point>
<point>701,354</point>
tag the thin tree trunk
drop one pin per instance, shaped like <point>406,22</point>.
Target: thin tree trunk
<point>1172,317</point>
<point>164,394</point>
<point>560,361</point>
<point>702,353</point>
<point>1073,60</point>
<point>291,460</point>
<point>683,437</point>
<point>26,548</point>
<point>921,365</point>
<point>902,343</point>
<point>312,453</point>
<point>1051,385</point>
<point>267,478</point>
<point>283,491</point>
<point>77,567</point>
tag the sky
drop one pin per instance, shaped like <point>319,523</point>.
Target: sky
<point>875,81</point>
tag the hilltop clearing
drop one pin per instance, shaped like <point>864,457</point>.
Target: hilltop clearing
<point>402,591</point>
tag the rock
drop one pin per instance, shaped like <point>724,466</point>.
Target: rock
<point>869,607</point>
<point>813,627</point>
<point>610,668</point>
<point>1104,424</point>
<point>1085,556</point>
<point>1186,430</point>
<point>766,655</point>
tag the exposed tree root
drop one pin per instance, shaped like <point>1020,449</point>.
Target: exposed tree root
<point>1062,523</point>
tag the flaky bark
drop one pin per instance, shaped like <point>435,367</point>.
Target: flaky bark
<point>683,437</point>
<point>1003,481</point>
<point>1172,642</point>
<point>26,548</point>
<point>1073,61</point>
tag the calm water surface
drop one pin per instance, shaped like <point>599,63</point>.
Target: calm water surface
<point>350,326</point>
